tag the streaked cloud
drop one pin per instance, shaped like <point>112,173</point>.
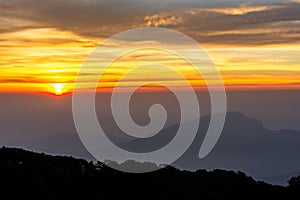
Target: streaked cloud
<point>45,42</point>
<point>240,10</point>
<point>201,20</point>
<point>163,19</point>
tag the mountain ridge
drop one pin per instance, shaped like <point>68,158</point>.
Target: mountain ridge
<point>33,175</point>
<point>243,145</point>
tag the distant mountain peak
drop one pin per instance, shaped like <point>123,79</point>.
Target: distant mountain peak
<point>238,121</point>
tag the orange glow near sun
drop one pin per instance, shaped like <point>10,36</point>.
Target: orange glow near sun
<point>31,62</point>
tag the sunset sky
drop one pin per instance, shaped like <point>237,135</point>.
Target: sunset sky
<point>254,44</point>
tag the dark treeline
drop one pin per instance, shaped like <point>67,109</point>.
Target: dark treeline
<point>28,175</point>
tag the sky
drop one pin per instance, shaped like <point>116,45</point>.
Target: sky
<point>254,44</point>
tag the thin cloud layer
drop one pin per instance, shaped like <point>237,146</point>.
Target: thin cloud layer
<point>203,21</point>
<point>45,42</point>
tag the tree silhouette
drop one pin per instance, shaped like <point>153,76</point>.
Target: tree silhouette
<point>39,176</point>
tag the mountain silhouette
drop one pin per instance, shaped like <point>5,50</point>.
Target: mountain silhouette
<point>245,145</point>
<point>29,175</point>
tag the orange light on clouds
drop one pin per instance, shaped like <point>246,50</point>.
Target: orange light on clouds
<point>47,60</point>
<point>251,44</point>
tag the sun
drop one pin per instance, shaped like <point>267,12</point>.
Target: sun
<point>58,88</point>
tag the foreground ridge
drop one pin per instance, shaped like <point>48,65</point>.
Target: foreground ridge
<point>32,175</point>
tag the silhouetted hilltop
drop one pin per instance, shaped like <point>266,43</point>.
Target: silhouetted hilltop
<point>268,155</point>
<point>39,176</point>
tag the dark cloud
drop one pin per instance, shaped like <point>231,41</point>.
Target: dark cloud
<point>253,28</point>
<point>208,22</point>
